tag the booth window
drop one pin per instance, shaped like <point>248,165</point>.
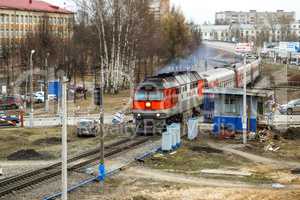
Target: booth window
<point>232,105</point>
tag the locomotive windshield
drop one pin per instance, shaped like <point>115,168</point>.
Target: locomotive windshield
<point>152,95</point>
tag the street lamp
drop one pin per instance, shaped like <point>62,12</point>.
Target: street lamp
<point>31,90</point>
<point>46,83</point>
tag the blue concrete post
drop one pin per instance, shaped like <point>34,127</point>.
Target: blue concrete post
<point>102,172</point>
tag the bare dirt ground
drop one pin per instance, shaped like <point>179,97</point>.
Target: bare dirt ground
<point>179,176</point>
<point>141,183</point>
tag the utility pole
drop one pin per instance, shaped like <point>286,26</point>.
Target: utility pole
<point>31,90</point>
<point>46,84</point>
<point>98,95</point>
<point>102,166</point>
<point>245,103</point>
<point>64,152</point>
<point>26,93</point>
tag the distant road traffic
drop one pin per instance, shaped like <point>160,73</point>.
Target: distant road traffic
<point>56,120</point>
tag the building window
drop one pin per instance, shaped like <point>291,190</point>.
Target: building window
<point>12,18</point>
<point>1,19</point>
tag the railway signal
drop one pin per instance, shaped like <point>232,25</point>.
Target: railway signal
<point>98,100</point>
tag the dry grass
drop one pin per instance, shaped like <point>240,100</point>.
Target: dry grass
<point>112,103</point>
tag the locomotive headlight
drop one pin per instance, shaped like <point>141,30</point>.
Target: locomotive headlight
<point>158,115</point>
<point>148,104</point>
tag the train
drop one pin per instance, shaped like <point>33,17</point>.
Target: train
<point>174,97</point>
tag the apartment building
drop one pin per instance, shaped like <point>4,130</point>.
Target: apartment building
<point>159,7</point>
<point>252,17</point>
<point>18,18</point>
<point>248,32</point>
<point>295,28</point>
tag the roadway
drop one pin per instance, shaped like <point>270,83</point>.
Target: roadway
<point>56,120</point>
<point>212,52</point>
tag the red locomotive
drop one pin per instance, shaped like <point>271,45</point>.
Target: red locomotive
<point>166,98</point>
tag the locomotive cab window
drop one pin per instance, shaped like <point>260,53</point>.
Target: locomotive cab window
<point>140,95</point>
<point>153,95</point>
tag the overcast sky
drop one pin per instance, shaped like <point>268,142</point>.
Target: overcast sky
<point>203,10</point>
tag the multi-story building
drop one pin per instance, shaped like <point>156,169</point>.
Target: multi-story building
<point>252,17</point>
<point>248,32</point>
<point>216,32</point>
<point>159,7</point>
<point>295,28</point>
<point>18,18</point>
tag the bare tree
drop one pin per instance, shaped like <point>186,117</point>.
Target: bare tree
<point>130,40</point>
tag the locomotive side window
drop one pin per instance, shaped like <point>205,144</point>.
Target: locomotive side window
<point>194,85</point>
<point>175,93</point>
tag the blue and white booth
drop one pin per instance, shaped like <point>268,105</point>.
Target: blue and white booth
<point>228,110</point>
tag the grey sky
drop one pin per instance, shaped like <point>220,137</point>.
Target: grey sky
<point>201,10</point>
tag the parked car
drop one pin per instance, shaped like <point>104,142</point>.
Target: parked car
<point>52,97</point>
<point>15,120</point>
<point>40,98</point>
<point>295,61</point>
<point>291,107</point>
<point>87,127</point>
<point>10,102</point>
<point>6,123</point>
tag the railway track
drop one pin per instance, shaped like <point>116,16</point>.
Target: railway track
<point>34,177</point>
